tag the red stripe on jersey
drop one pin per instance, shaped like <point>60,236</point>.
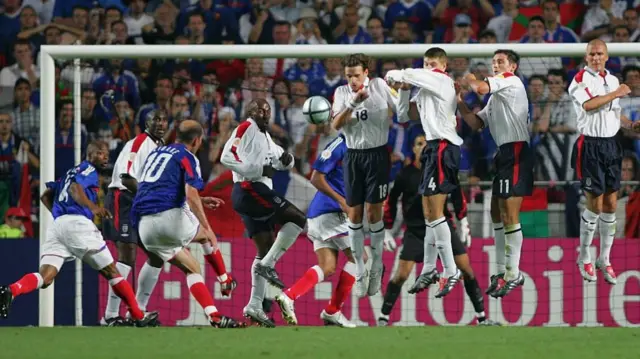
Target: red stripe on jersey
<point>248,186</point>
<point>187,166</point>
<point>507,74</point>
<point>439,71</point>
<point>588,92</point>
<point>137,143</point>
<point>441,147</point>
<point>580,148</point>
<point>579,77</point>
<point>116,209</point>
<point>517,148</point>
<point>239,133</point>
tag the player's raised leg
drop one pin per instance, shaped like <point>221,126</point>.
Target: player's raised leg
<point>213,256</point>
<point>27,284</point>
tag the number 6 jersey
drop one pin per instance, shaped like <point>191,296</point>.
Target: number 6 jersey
<point>84,174</point>
<point>161,185</point>
<point>369,124</point>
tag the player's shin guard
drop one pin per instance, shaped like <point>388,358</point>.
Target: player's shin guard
<point>377,245</point>
<point>285,239</point>
<point>123,290</point>
<point>258,286</point>
<point>498,230</point>
<point>430,251</point>
<point>390,297</point>
<point>215,260</point>
<point>342,290</point>
<point>200,292</point>
<point>311,277</point>
<point>356,239</point>
<point>607,232</point>
<point>513,246</point>
<point>147,280</point>
<point>443,244</point>
<point>27,284</point>
<point>587,229</point>
<point>113,300</point>
<point>475,295</point>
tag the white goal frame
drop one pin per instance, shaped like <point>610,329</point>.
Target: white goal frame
<point>77,52</point>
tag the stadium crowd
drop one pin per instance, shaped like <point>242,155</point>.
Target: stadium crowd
<point>117,95</point>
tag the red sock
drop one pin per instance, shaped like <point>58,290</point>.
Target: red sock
<point>304,284</point>
<point>123,289</point>
<point>217,263</point>
<point>26,284</point>
<point>341,292</point>
<point>200,292</point>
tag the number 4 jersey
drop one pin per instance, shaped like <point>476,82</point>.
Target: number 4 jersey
<point>84,174</point>
<point>162,184</point>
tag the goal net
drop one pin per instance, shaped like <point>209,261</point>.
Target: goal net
<point>118,85</point>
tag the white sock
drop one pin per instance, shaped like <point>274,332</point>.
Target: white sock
<point>442,234</point>
<point>258,286</point>
<point>356,238</point>
<point>285,239</point>
<point>607,233</point>
<point>113,301</point>
<point>207,248</point>
<point>147,279</point>
<point>377,244</point>
<point>498,230</point>
<point>587,229</point>
<point>513,246</point>
<point>430,251</point>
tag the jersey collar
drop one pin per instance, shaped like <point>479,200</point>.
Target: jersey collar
<point>155,139</point>
<point>439,71</point>
<point>594,74</point>
<point>365,85</point>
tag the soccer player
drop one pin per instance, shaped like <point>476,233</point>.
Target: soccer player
<point>361,111</point>
<point>253,157</point>
<point>597,156</point>
<point>435,106</point>
<point>124,184</point>
<point>169,213</point>
<point>506,114</point>
<point>407,186</point>
<point>72,202</point>
<point>327,230</point>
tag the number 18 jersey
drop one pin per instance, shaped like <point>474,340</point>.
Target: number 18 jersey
<point>162,184</point>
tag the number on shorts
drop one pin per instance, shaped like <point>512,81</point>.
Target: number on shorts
<point>64,194</point>
<point>383,190</point>
<point>432,184</point>
<point>154,167</point>
<point>504,186</point>
<point>362,115</point>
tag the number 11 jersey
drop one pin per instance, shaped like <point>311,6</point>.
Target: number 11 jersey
<point>162,184</point>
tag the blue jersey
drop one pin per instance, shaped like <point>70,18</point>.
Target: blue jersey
<point>329,163</point>
<point>84,174</point>
<point>162,185</point>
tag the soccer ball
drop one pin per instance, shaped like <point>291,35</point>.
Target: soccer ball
<point>317,110</point>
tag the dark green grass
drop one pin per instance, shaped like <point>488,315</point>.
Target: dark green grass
<point>320,342</point>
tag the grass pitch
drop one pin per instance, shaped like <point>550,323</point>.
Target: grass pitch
<point>320,342</point>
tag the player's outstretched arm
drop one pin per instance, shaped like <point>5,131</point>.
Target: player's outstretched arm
<point>474,121</point>
<point>428,80</point>
<point>319,181</point>
<point>77,193</point>
<point>47,199</point>
<point>594,103</point>
<point>239,156</point>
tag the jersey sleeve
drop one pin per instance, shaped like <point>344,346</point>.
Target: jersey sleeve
<point>330,157</point>
<point>339,101</point>
<point>52,185</point>
<point>277,153</point>
<point>192,173</point>
<point>399,100</point>
<point>428,80</point>
<point>87,176</point>
<point>240,156</point>
<point>498,84</point>
<point>579,91</point>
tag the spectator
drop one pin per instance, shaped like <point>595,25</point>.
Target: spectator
<point>280,125</point>
<point>402,32</point>
<point>120,34</point>
<point>256,27</point>
<point>447,10</point>
<point>376,31</point>
<point>13,226</point>
<point>196,30</point>
<point>349,31</point>
<point>617,63</point>
<point>26,116</point>
<point>364,11</point>
<point>630,106</point>
<point>308,30</point>
<point>536,33</point>
<point>136,19</point>
<point>501,24</point>
<point>114,77</point>
<point>537,99</point>
<point>306,69</point>
<point>221,132</point>
<point>275,68</point>
<point>187,68</point>
<point>90,114</point>
<point>211,99</point>
<point>598,20</point>
<point>163,31</point>
<point>462,31</point>
<point>416,11</point>
<point>29,29</point>
<point>485,37</point>
<point>297,123</point>
<point>65,155</point>
<point>23,68</point>
<point>146,72</point>
<point>228,71</point>
<point>327,85</point>
<point>555,31</point>
<point>122,122</point>
<point>10,20</point>
<point>630,18</point>
<point>631,172</point>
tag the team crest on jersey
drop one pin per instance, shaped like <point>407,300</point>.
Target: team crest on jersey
<point>236,142</point>
<point>326,154</point>
<point>125,228</point>
<point>88,171</point>
<point>277,200</point>
<point>588,181</point>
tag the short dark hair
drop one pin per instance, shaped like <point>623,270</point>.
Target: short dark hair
<point>538,77</point>
<point>354,60</point>
<point>621,27</point>
<point>190,133</point>
<point>96,145</point>
<point>537,18</point>
<point>550,1</point>
<point>195,13</point>
<point>281,23</point>
<point>559,73</point>
<point>436,53</point>
<point>511,55</point>
<point>22,81</point>
<point>163,77</point>
<point>21,42</point>
<point>487,33</point>
<point>627,69</point>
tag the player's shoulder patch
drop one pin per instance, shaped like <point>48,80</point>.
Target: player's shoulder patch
<point>87,171</point>
<point>328,151</point>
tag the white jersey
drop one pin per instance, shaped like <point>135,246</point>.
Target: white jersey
<point>248,150</point>
<point>507,112</point>
<point>604,121</point>
<point>369,125</point>
<point>131,159</point>
<point>436,102</point>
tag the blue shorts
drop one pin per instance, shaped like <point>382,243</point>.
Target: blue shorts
<point>366,175</point>
<point>598,164</point>
<point>120,227</point>
<point>514,164</point>
<point>440,161</point>
<point>258,206</point>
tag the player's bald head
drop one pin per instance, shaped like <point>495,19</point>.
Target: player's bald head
<point>98,153</point>
<point>95,146</point>
<point>597,43</point>
<point>260,111</point>
<point>188,131</point>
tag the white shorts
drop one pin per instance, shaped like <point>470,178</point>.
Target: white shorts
<point>329,231</point>
<point>167,233</point>
<point>70,237</point>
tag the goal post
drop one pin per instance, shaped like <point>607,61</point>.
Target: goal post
<point>78,52</point>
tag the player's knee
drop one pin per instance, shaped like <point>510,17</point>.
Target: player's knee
<point>400,278</point>
<point>47,278</point>
<point>155,261</point>
<point>609,203</point>
<point>127,254</point>
<point>328,269</point>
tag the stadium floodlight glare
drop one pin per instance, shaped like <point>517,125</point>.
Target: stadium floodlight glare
<point>73,52</point>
